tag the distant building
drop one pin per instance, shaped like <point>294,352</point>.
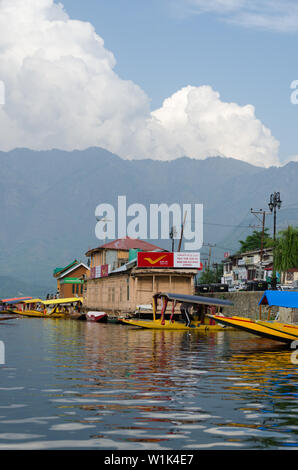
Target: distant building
<point>291,277</point>
<point>243,267</point>
<point>71,278</point>
<point>128,287</point>
<point>112,255</point>
<point>117,285</point>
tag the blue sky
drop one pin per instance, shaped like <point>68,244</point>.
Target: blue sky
<point>162,48</point>
<point>158,79</point>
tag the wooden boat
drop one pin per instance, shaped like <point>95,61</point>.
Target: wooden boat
<point>8,306</point>
<point>195,321</point>
<point>54,308</point>
<point>101,317</point>
<point>7,317</point>
<point>273,330</point>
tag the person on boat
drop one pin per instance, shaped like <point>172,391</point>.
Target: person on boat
<point>185,312</point>
<point>199,314</point>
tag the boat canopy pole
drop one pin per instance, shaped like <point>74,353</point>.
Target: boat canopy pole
<point>164,307</point>
<point>154,305</point>
<point>173,310</point>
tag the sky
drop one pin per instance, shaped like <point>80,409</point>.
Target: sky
<point>151,79</point>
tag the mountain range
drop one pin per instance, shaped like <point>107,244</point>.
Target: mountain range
<point>48,201</point>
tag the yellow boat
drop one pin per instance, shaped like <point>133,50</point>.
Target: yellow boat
<point>8,306</point>
<point>273,330</point>
<point>54,308</point>
<point>283,327</point>
<point>197,321</point>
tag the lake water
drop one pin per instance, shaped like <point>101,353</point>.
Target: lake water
<point>68,384</point>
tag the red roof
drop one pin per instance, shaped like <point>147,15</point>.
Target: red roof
<point>127,244</point>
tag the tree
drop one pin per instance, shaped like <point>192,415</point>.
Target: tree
<point>207,277</point>
<point>286,250</point>
<point>210,276</point>
<point>254,241</point>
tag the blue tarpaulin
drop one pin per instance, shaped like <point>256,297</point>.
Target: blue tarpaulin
<point>280,298</point>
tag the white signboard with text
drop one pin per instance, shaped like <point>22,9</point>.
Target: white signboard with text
<point>187,260</point>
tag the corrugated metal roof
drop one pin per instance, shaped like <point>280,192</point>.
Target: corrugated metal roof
<point>73,268</point>
<point>60,270</point>
<point>127,244</point>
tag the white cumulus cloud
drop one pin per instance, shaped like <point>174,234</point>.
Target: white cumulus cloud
<point>62,92</point>
<point>195,122</point>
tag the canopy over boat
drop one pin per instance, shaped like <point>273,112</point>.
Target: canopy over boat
<point>288,299</point>
<point>194,299</point>
<point>15,300</point>
<point>70,300</point>
<point>32,301</point>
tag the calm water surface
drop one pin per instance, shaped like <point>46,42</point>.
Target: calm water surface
<point>69,384</point>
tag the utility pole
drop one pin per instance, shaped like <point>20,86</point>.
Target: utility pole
<point>182,228</point>
<point>210,251</point>
<point>262,213</point>
<point>173,233</point>
<point>274,203</point>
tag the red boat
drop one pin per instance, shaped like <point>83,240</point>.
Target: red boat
<point>97,317</point>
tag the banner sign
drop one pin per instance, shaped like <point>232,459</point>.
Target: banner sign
<point>187,260</point>
<point>155,259</point>
<point>169,260</point>
<point>99,271</point>
<point>104,270</point>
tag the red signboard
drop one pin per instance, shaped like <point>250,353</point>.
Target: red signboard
<point>155,259</point>
<point>169,260</point>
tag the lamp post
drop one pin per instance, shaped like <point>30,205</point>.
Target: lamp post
<point>274,203</point>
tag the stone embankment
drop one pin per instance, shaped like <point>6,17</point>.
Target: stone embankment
<point>245,303</point>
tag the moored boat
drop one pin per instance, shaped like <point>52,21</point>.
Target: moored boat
<point>193,313</point>
<point>269,329</point>
<point>98,317</point>
<point>54,308</point>
<point>8,306</point>
<point>7,317</point>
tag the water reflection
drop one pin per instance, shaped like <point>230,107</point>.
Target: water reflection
<point>113,386</point>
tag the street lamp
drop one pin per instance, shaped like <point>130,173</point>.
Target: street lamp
<point>274,203</point>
